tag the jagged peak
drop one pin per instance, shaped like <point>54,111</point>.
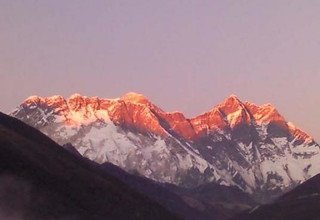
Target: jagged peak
<point>36,98</point>
<point>55,97</point>
<point>233,98</point>
<point>136,98</point>
<point>251,104</point>
<point>237,111</point>
<point>76,95</point>
<point>252,107</point>
<point>231,102</point>
<point>229,105</point>
<point>268,106</point>
<point>33,99</point>
<point>231,111</point>
<point>264,113</point>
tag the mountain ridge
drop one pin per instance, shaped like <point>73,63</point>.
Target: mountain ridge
<point>258,113</point>
<point>235,143</point>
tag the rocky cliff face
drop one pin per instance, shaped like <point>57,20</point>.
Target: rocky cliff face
<point>235,143</point>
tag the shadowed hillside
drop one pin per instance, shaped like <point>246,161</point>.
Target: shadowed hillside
<point>41,180</point>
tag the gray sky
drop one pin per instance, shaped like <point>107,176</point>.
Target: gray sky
<point>184,55</point>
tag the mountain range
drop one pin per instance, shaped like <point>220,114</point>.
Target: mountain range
<point>235,143</point>
<point>42,180</point>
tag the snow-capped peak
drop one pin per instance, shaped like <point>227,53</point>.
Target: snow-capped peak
<point>234,111</point>
<point>135,98</point>
<point>75,95</point>
<point>55,100</point>
<point>55,97</point>
<point>231,100</point>
<point>265,113</point>
<point>33,99</point>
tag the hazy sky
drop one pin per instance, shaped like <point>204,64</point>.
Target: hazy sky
<point>183,55</point>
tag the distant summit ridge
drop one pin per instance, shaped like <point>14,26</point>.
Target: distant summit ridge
<point>232,110</point>
<point>235,143</point>
<point>231,113</point>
